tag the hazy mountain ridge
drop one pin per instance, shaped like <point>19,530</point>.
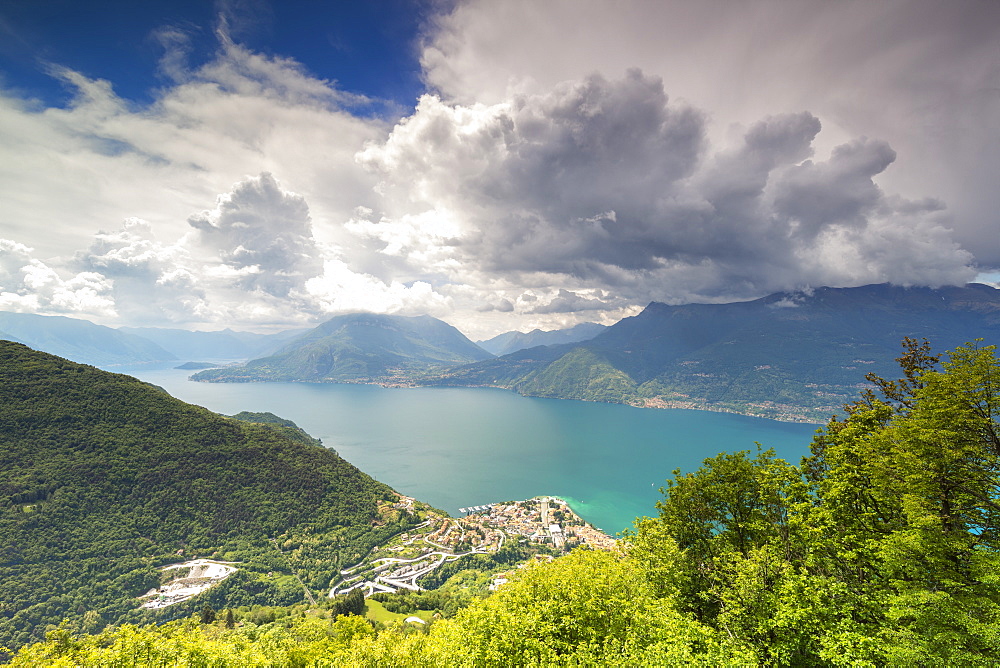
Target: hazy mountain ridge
<point>7,337</point>
<point>222,345</point>
<point>793,356</point>
<point>360,347</point>
<point>509,342</point>
<point>81,340</point>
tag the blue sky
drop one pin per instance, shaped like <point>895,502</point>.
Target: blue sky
<point>500,165</point>
<point>369,48</point>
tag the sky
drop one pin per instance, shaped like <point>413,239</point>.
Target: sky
<point>498,165</point>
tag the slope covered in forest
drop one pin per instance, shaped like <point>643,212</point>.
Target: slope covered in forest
<point>104,478</point>
<point>882,548</point>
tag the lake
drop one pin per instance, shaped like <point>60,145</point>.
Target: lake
<point>458,447</point>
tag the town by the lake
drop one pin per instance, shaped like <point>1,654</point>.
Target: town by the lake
<point>544,522</point>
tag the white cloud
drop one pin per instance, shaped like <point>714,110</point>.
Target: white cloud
<point>29,285</point>
<point>103,159</point>
<point>922,75</point>
<point>567,301</point>
<point>340,290</point>
<point>251,260</point>
<point>606,185</point>
<point>532,191</point>
<point>263,233</point>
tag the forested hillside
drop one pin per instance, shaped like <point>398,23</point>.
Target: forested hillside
<point>880,549</point>
<point>103,478</point>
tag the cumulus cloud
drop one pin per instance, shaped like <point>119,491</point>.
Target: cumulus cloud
<point>151,283</point>
<point>340,290</point>
<point>607,185</point>
<point>567,301</point>
<point>539,204</point>
<point>552,173</point>
<point>502,306</point>
<point>250,260</point>
<point>919,74</point>
<point>29,285</point>
<point>264,234</point>
<point>102,158</point>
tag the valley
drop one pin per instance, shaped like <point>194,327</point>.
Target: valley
<point>793,357</point>
<point>267,517</point>
<point>790,356</point>
<point>198,492</point>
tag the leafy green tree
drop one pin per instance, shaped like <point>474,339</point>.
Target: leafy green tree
<point>911,489</point>
<point>589,608</point>
<point>881,548</point>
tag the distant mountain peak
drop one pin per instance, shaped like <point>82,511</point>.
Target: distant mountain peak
<point>509,342</point>
<point>360,347</point>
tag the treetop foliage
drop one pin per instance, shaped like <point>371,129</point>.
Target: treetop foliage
<point>880,548</point>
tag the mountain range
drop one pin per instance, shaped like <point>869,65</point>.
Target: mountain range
<point>792,356</point>
<point>221,345</point>
<point>509,342</point>
<point>80,340</point>
<point>360,347</point>
<point>88,343</point>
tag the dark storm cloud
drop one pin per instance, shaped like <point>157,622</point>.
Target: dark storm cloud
<point>922,75</point>
<point>839,191</point>
<point>567,301</point>
<point>608,183</point>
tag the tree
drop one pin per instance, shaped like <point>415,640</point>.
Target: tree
<point>915,489</point>
<point>585,608</point>
<point>207,614</point>
<point>882,548</point>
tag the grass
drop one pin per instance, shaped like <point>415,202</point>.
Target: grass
<point>375,611</point>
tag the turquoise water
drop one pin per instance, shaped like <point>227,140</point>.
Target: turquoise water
<point>457,447</point>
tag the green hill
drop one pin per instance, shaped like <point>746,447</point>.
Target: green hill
<point>360,347</point>
<point>103,478</point>
<point>881,549</point>
<point>286,428</point>
<point>786,356</point>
